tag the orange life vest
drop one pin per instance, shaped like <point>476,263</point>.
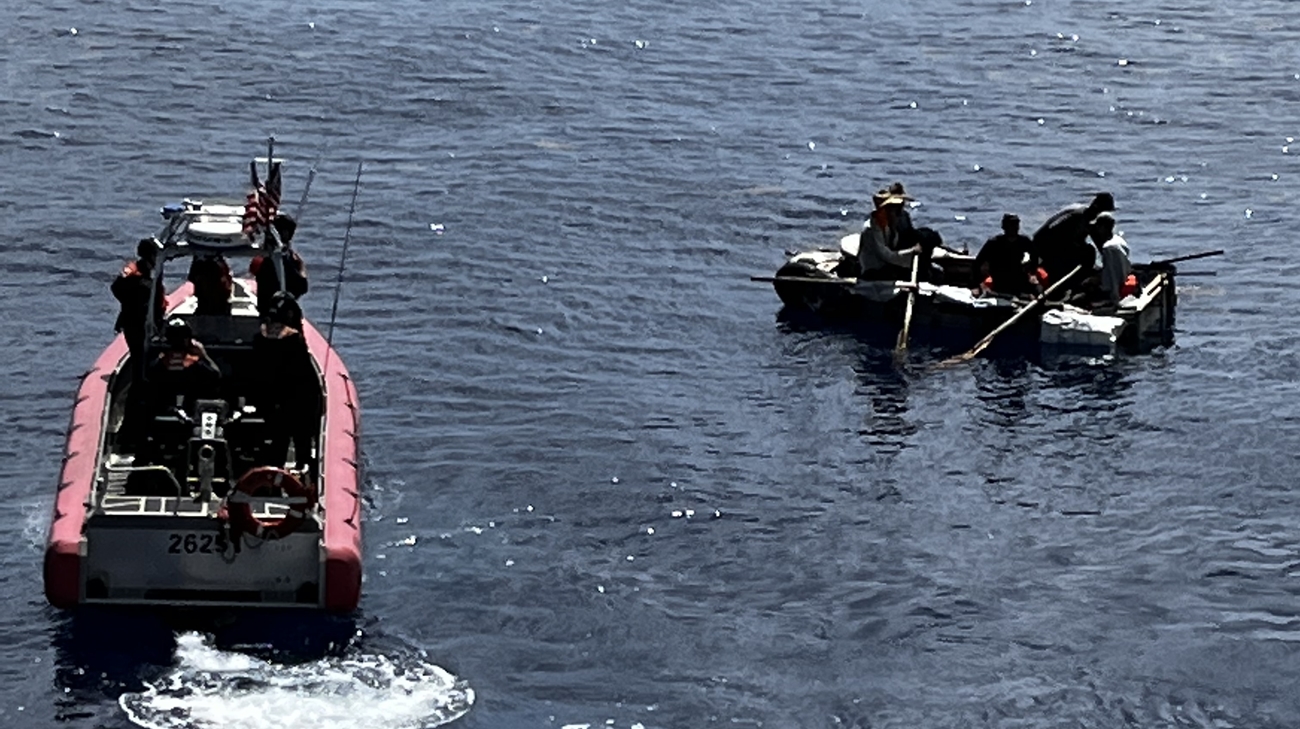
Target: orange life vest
<point>179,361</point>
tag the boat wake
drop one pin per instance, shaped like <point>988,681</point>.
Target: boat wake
<point>211,689</point>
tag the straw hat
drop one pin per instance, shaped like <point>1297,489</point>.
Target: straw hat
<point>895,194</point>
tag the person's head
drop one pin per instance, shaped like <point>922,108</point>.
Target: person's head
<point>285,227</point>
<point>1104,202</point>
<point>284,309</point>
<point>1010,223</point>
<point>891,199</point>
<point>178,333</point>
<point>1102,228</point>
<point>146,251</point>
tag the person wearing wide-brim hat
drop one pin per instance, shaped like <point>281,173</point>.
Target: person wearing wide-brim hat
<point>885,250</point>
<point>1061,243</point>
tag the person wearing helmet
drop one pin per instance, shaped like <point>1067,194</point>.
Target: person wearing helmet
<point>263,268</point>
<point>289,392</point>
<point>183,369</point>
<point>132,289</point>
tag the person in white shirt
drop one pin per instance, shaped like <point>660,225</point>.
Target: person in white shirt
<point>1116,270</point>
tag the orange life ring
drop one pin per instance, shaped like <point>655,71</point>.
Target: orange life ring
<point>269,481</point>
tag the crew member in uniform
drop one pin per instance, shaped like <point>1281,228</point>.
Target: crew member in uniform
<point>263,268</point>
<point>289,386</point>
<point>132,290</point>
<point>183,369</point>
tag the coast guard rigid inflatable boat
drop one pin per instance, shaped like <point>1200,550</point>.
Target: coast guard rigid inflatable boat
<point>208,514</point>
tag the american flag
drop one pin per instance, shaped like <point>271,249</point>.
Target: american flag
<point>263,202</point>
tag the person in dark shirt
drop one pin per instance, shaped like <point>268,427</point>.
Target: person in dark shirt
<point>132,290</point>
<point>213,285</point>
<point>183,369</point>
<point>1002,261</point>
<point>289,387</point>
<point>1062,242</point>
<point>295,270</point>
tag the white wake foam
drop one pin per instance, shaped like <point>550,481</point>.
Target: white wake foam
<point>213,689</point>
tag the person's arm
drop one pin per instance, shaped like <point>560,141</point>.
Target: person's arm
<point>204,358</point>
<point>874,242</point>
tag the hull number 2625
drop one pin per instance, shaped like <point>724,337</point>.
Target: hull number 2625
<point>196,543</point>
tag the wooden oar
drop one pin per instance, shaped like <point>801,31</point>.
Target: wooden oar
<point>901,347</point>
<point>984,343</point>
<point>805,279</point>
<point>903,285</point>
<point>1180,259</point>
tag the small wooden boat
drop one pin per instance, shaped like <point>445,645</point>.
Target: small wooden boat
<point>953,313</point>
<point>195,506</point>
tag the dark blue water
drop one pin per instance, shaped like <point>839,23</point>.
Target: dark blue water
<point>608,487</point>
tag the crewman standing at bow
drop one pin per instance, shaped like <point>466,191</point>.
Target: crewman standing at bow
<point>263,269</point>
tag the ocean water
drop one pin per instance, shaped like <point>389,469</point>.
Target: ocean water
<point>608,487</point>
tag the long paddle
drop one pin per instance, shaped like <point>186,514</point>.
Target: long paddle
<point>1180,259</point>
<point>805,279</point>
<point>901,347</point>
<point>984,343</point>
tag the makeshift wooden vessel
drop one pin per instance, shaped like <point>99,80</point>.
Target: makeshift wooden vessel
<point>951,314</point>
<point>197,508</point>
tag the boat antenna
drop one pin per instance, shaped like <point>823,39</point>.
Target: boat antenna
<point>311,175</point>
<point>343,257</point>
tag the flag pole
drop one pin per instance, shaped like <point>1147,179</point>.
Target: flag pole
<point>272,240</point>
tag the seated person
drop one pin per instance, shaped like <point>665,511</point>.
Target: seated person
<point>1117,280</point>
<point>183,369</point>
<point>1001,263</point>
<point>881,252</point>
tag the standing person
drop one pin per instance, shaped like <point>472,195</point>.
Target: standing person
<point>213,285</point>
<point>1001,261</point>
<point>295,270</point>
<point>1061,243</point>
<point>1117,279</point>
<point>883,253</point>
<point>132,289</point>
<point>289,386</point>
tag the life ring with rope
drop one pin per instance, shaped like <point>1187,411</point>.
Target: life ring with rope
<point>264,482</point>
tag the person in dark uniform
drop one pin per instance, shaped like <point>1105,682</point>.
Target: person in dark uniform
<point>183,369</point>
<point>213,285</point>
<point>1062,242</point>
<point>289,391</point>
<point>1002,261</point>
<point>295,270</point>
<point>132,290</point>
